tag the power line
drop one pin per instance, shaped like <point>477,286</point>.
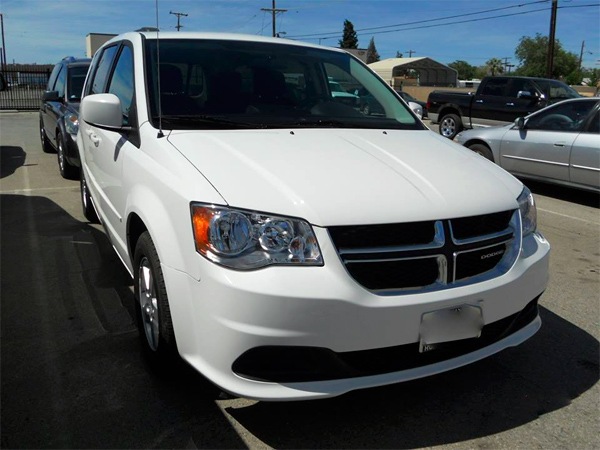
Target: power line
<point>448,23</point>
<point>425,21</point>
<point>323,36</point>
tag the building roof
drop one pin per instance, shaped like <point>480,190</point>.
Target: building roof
<point>430,71</point>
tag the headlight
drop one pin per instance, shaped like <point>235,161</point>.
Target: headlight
<point>528,212</point>
<point>249,240</point>
<point>71,123</point>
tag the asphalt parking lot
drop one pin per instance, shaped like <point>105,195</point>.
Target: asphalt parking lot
<point>72,375</point>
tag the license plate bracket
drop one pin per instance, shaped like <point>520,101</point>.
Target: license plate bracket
<point>449,324</point>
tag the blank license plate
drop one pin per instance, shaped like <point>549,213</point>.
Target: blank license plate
<point>452,324</point>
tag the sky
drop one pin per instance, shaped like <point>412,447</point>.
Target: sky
<point>44,31</point>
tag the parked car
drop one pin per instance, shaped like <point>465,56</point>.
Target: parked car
<point>409,98</point>
<point>339,94</point>
<point>369,105</point>
<point>559,144</point>
<point>498,101</point>
<point>286,245</point>
<point>59,112</point>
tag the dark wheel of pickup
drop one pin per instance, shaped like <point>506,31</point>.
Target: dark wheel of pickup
<point>152,307</point>
<point>450,125</point>
<point>482,150</point>
<point>66,169</point>
<point>86,201</point>
<point>46,145</point>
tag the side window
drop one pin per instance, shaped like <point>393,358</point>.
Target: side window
<point>519,84</point>
<point>60,82</point>
<point>495,87</point>
<point>594,126</point>
<point>53,76</point>
<point>102,70</point>
<point>121,82</point>
<point>566,116</point>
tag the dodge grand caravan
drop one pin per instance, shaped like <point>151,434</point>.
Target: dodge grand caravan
<point>283,243</point>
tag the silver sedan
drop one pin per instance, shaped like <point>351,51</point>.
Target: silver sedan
<point>560,144</point>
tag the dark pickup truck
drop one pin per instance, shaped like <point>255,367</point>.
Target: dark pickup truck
<point>498,101</point>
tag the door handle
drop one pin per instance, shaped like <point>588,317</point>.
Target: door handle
<point>510,104</point>
<point>95,139</point>
<point>559,144</point>
<point>478,101</point>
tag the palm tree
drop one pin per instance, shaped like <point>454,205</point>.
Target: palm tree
<point>494,66</point>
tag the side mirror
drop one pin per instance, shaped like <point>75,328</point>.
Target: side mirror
<point>520,123</point>
<point>50,96</point>
<point>525,95</point>
<point>102,110</point>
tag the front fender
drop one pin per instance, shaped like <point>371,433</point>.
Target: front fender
<point>168,221</point>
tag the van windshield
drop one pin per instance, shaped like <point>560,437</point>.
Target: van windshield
<point>207,84</point>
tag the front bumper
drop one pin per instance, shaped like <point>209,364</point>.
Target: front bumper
<point>285,333</point>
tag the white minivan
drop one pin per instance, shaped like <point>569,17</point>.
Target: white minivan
<point>282,242</point>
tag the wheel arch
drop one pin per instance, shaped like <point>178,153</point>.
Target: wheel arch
<point>479,141</point>
<point>166,220</point>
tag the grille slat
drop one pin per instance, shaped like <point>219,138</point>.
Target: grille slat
<point>429,255</point>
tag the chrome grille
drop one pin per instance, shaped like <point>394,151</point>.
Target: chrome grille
<point>429,255</point>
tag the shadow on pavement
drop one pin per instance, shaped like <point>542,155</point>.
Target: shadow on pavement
<point>11,158</point>
<point>581,197</point>
<point>503,392</point>
<point>72,373</point>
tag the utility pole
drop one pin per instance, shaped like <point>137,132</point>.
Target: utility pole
<point>507,65</point>
<point>274,12</point>
<point>550,58</point>
<point>410,53</point>
<point>581,54</point>
<point>179,15</point>
<point>3,56</point>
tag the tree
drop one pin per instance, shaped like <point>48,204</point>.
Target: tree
<point>465,70</point>
<point>494,66</point>
<point>349,39</point>
<point>532,53</point>
<point>372,55</point>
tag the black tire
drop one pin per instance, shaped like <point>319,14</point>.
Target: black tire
<point>483,150</point>
<point>153,315</point>
<point>46,145</point>
<point>86,201</point>
<point>67,170</point>
<point>450,125</point>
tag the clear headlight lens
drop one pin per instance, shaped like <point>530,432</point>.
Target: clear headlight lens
<point>72,123</point>
<point>249,240</point>
<point>528,212</point>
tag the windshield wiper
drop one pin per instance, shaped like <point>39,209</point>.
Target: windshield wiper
<point>204,119</point>
<point>326,123</point>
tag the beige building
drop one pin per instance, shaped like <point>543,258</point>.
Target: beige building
<point>94,41</point>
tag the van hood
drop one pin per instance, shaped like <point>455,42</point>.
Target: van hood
<point>348,176</point>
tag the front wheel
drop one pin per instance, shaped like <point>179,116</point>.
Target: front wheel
<point>482,150</point>
<point>450,125</point>
<point>152,306</point>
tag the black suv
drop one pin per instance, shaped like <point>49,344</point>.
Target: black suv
<point>59,113</point>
